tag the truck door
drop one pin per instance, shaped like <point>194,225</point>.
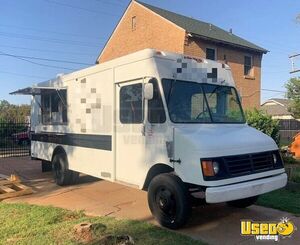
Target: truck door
<point>130,132</point>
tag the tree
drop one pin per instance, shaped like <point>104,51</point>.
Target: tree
<point>264,123</point>
<point>293,94</point>
<point>13,113</point>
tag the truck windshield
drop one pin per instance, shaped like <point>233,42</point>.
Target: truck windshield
<point>191,102</point>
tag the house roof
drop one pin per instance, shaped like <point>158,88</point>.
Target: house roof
<point>204,30</point>
<point>276,107</point>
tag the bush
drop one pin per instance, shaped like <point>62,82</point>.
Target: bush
<point>289,160</point>
<point>264,123</point>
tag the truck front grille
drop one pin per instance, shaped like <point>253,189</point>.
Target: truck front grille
<point>250,163</point>
<point>245,164</point>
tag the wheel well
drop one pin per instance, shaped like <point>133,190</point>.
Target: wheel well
<point>58,150</point>
<point>154,171</point>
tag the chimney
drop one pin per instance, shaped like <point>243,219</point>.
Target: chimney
<point>230,30</point>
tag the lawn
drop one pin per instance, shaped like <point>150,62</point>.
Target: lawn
<point>30,224</point>
<point>296,175</point>
<point>284,199</point>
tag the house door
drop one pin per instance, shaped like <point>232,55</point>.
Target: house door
<point>130,136</point>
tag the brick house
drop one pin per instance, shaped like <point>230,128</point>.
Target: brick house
<point>145,26</point>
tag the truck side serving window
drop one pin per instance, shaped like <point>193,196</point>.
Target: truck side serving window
<point>156,111</point>
<point>131,104</point>
<point>46,108</point>
<point>54,110</point>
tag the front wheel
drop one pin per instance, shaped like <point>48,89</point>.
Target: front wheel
<point>243,203</point>
<point>169,201</point>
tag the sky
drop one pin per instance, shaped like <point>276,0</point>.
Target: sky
<point>74,32</point>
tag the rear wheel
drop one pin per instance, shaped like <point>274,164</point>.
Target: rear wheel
<point>62,174</point>
<point>169,200</point>
<point>243,203</point>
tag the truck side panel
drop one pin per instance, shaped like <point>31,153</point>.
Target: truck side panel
<point>87,139</point>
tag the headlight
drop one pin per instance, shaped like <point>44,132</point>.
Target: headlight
<point>274,159</point>
<point>216,167</point>
<point>210,168</point>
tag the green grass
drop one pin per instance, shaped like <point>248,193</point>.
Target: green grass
<point>283,199</point>
<point>30,224</point>
<point>296,175</point>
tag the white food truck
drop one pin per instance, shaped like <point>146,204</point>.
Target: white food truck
<point>162,122</point>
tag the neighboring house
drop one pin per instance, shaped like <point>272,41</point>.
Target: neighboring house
<point>277,108</point>
<point>289,126</point>
<point>145,26</point>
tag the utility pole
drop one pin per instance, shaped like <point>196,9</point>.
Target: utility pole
<point>292,58</point>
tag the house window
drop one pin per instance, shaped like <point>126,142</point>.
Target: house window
<point>156,112</point>
<point>247,65</point>
<point>133,23</point>
<point>131,104</point>
<point>211,54</point>
<point>54,107</point>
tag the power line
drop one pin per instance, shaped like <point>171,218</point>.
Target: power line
<point>50,31</point>
<point>258,91</point>
<point>272,90</point>
<point>80,8</point>
<point>45,50</point>
<point>39,64</point>
<point>46,59</point>
<point>294,55</point>
<point>22,75</point>
<point>44,39</point>
<point>119,4</point>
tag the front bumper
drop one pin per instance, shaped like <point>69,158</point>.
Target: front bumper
<point>245,189</point>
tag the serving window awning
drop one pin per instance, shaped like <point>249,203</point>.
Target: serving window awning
<point>36,90</point>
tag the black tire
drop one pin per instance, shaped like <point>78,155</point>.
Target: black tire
<point>62,174</point>
<point>169,201</point>
<point>243,203</point>
<point>46,166</point>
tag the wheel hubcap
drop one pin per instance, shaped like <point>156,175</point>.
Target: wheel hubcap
<point>166,202</point>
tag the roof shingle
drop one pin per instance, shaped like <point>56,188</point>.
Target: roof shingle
<point>203,29</point>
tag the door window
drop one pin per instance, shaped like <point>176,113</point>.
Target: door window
<point>156,111</point>
<point>131,104</point>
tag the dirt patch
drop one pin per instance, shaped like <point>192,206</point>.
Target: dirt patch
<point>92,234</point>
<point>88,232</point>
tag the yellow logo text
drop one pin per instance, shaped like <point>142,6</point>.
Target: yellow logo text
<point>267,230</point>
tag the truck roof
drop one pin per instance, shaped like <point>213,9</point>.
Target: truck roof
<point>130,58</point>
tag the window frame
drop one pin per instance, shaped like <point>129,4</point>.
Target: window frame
<point>133,23</point>
<point>143,105</point>
<point>212,48</point>
<point>209,110</point>
<point>251,65</point>
<point>162,103</point>
<point>50,94</point>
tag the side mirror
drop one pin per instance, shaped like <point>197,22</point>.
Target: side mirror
<point>148,91</point>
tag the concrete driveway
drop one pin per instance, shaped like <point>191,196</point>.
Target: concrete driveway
<point>214,224</point>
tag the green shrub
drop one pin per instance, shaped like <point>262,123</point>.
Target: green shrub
<point>264,123</point>
<point>289,160</point>
<point>296,175</point>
